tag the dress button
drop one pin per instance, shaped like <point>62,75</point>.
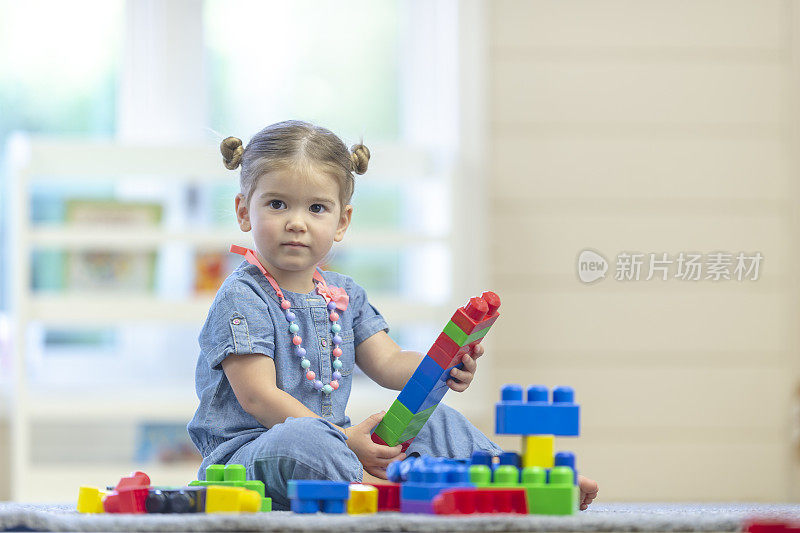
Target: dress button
<point>236,321</point>
<point>323,343</point>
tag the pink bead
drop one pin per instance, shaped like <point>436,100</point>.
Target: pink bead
<point>337,352</point>
<point>310,375</point>
<point>334,316</point>
<point>285,304</point>
<point>296,340</point>
<point>334,384</point>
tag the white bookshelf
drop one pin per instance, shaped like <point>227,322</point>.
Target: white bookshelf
<point>44,160</point>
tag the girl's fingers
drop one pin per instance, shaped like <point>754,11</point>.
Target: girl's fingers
<point>389,452</point>
<point>469,364</point>
<point>463,376</point>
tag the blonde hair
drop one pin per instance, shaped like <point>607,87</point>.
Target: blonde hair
<point>297,145</point>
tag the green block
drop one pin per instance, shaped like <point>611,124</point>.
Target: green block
<point>552,499</point>
<point>459,337</point>
<point>386,433</point>
<point>478,335</point>
<point>401,412</point>
<point>455,333</point>
<point>233,475</point>
<point>393,423</point>
<point>416,423</point>
<point>559,497</point>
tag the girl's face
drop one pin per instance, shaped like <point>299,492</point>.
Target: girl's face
<point>295,219</point>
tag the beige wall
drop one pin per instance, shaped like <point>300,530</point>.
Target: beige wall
<point>651,126</point>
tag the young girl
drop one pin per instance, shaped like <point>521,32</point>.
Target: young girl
<point>282,337</point>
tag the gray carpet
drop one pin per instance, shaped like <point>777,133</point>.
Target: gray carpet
<point>600,517</point>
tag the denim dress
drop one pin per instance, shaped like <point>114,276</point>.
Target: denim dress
<point>246,318</point>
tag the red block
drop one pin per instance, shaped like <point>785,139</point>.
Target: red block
<point>388,496</point>
<point>469,501</point>
<point>404,446</point>
<point>377,440</point>
<point>446,352</point>
<point>771,526</point>
<point>126,500</point>
<point>137,479</point>
<point>478,314</point>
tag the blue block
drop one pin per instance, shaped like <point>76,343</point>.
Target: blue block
<point>413,395</point>
<point>334,506</point>
<point>427,491</point>
<point>317,489</point>
<point>305,506</point>
<point>481,457</point>
<point>434,397</point>
<point>414,506</point>
<point>567,459</point>
<point>428,373</point>
<point>537,416</point>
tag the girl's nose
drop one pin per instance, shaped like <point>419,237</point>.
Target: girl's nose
<point>296,223</point>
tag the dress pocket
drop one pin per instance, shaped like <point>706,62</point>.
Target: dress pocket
<point>348,352</point>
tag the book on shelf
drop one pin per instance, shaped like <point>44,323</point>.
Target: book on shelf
<point>98,270</point>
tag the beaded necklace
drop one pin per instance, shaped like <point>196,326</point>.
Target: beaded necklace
<point>335,297</point>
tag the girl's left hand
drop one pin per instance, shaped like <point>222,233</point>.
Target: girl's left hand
<point>463,377</point>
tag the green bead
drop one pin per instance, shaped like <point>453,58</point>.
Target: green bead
<point>337,364</point>
<point>305,363</point>
<point>336,328</point>
<point>294,328</point>
<point>480,474</point>
<point>327,389</point>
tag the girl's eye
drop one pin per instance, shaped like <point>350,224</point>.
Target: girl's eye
<point>316,208</point>
<point>276,204</point>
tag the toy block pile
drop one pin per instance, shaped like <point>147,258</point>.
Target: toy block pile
<point>422,478</point>
<point>225,491</point>
<point>428,385</point>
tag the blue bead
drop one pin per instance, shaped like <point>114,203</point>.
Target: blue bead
<point>331,306</point>
<point>337,340</point>
<point>317,384</point>
<point>336,328</point>
<point>294,328</point>
<point>336,375</point>
<point>290,316</point>
<point>337,364</point>
<point>299,351</point>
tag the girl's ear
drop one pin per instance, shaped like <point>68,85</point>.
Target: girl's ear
<point>242,215</point>
<point>344,222</point>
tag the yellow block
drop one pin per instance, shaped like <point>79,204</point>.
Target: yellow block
<point>537,450</point>
<point>90,500</point>
<point>220,499</point>
<point>363,499</point>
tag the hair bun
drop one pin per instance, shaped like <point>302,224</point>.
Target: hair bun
<point>359,157</point>
<point>232,151</point>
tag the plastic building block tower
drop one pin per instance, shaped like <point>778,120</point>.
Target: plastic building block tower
<point>233,475</point>
<point>551,492</point>
<point>426,388</point>
<point>549,479</point>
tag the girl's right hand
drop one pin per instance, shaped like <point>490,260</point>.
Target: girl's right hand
<point>374,457</point>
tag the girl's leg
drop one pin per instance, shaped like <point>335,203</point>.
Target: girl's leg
<point>448,433</point>
<point>299,448</point>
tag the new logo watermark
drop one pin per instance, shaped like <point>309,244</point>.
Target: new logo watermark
<point>684,266</point>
